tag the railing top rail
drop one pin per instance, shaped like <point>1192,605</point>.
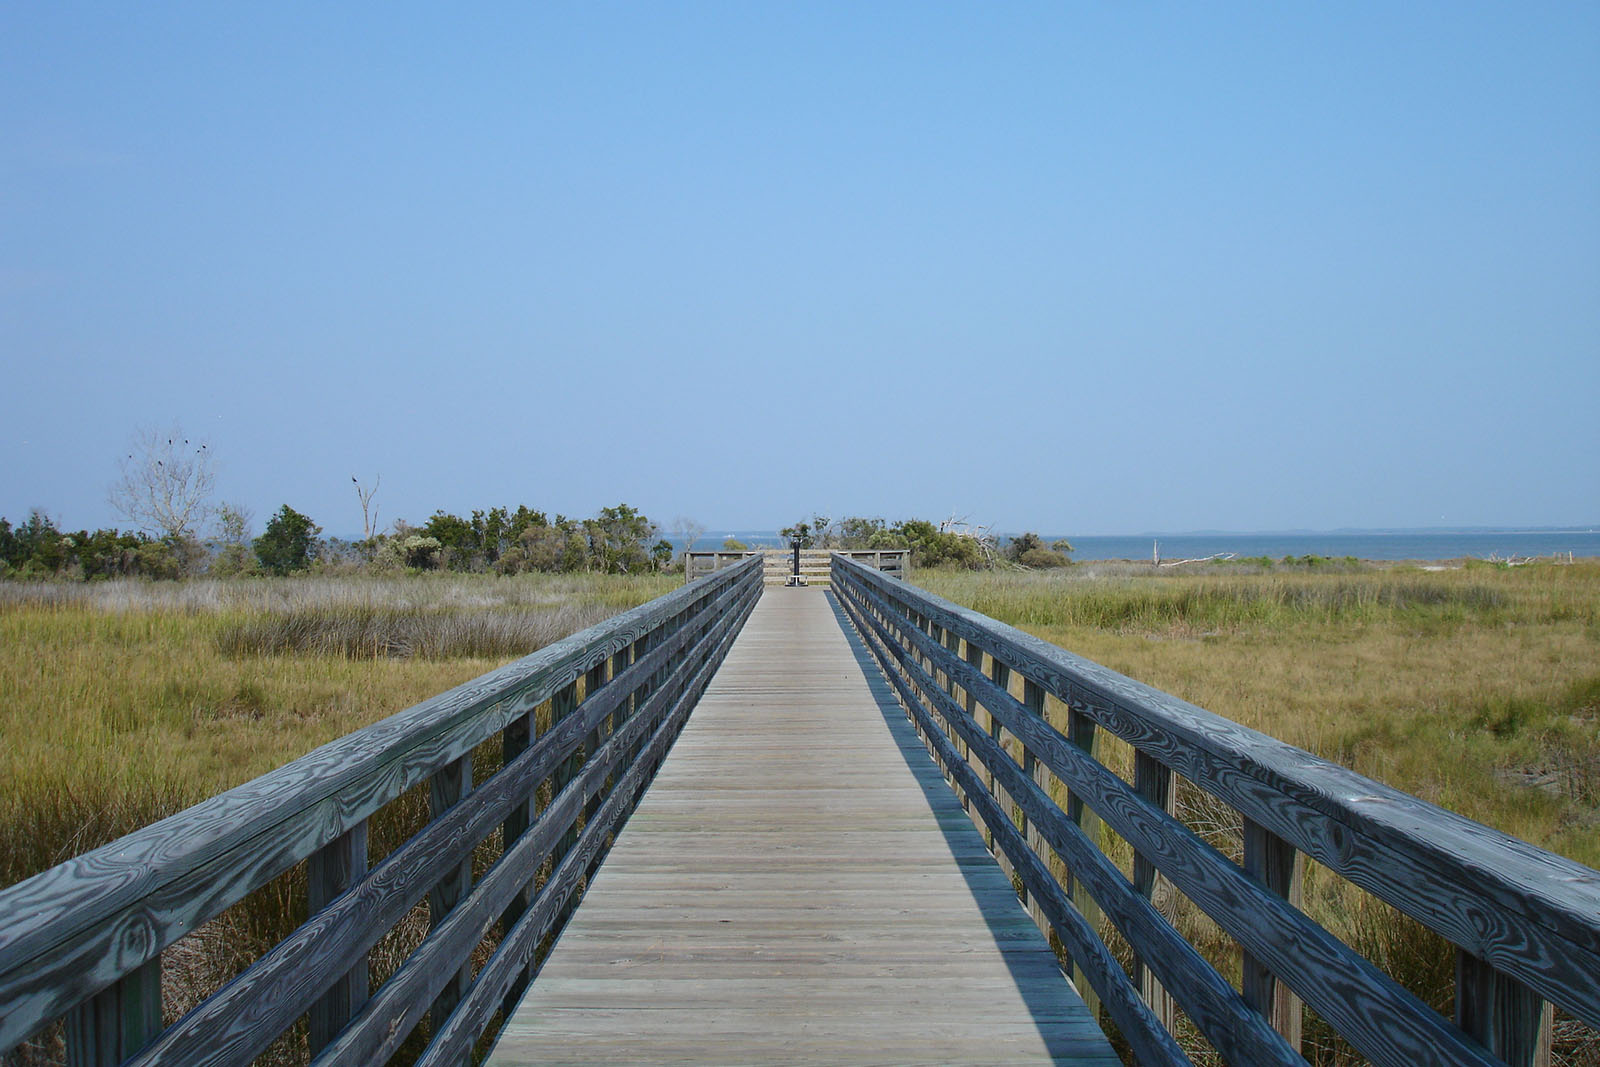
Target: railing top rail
<point>1530,912</point>
<point>140,893</point>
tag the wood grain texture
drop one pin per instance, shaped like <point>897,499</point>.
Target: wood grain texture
<point>919,692</point>
<point>244,1017</point>
<point>81,927</point>
<point>1273,862</point>
<point>330,871</point>
<point>786,892</point>
<point>1153,782</point>
<point>1382,1019</point>
<point>516,951</point>
<point>76,928</point>
<point>118,1021</point>
<point>1241,1034</point>
<point>1507,1016</point>
<point>1529,913</point>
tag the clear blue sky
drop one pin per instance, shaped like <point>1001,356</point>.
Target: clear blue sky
<point>1088,268</point>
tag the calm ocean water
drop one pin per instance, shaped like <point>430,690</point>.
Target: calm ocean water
<point>1418,545</point>
<point>1423,544</point>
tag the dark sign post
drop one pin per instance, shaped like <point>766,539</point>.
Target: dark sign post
<point>794,573</point>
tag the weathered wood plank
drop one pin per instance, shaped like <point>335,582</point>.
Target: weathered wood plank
<point>515,954</point>
<point>331,870</point>
<point>1150,1042</point>
<point>749,865</point>
<point>1527,912</point>
<point>80,926</point>
<point>1508,1017</point>
<point>450,786</point>
<point>1275,863</point>
<point>118,1021</point>
<point>1377,1015</point>
<point>1238,1032</point>
<point>1153,782</point>
<point>242,1019</point>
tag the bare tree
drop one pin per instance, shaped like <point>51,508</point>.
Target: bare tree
<point>166,484</point>
<point>369,513</point>
<point>688,529</point>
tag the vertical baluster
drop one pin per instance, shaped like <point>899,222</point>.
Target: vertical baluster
<point>1082,733</point>
<point>331,870</point>
<point>593,680</point>
<point>1152,780</point>
<point>649,643</point>
<point>975,658</point>
<point>118,1021</point>
<point>1276,864</point>
<point>449,786</point>
<point>562,705</point>
<point>1033,702</point>
<point>942,681</point>
<point>1511,1020</point>
<point>952,642</point>
<point>621,661</point>
<point>514,741</point>
<point>1000,675</point>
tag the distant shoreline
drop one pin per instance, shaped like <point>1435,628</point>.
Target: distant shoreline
<point>1421,546</point>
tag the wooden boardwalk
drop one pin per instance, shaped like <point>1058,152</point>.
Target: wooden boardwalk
<point>800,886</point>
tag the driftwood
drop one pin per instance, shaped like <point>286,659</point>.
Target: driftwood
<point>1197,559</point>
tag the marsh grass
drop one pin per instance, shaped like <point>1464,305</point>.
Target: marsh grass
<point>1477,689</point>
<point>124,702</point>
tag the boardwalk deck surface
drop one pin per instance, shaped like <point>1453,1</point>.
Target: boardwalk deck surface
<point>799,886</point>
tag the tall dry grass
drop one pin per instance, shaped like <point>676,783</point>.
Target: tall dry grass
<point>124,702</point>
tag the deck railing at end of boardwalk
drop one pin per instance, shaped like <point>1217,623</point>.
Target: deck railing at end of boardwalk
<point>578,729</point>
<point>1525,923</point>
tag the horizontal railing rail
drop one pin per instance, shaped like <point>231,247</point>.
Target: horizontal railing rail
<point>1525,923</point>
<point>582,725</point>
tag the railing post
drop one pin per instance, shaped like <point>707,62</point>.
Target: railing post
<point>1510,1019</point>
<point>563,704</point>
<point>975,656</point>
<point>118,1021</point>
<point>1000,674</point>
<point>449,786</point>
<point>1152,780</point>
<point>1033,700</point>
<point>331,870</point>
<point>514,741</point>
<point>593,679</point>
<point>1276,864</point>
<point>1082,733</point>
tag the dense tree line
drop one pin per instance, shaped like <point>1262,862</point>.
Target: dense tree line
<point>931,545</point>
<point>37,548</point>
<point>619,540</point>
<point>165,491</point>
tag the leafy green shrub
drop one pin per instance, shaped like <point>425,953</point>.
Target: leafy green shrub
<point>289,542</point>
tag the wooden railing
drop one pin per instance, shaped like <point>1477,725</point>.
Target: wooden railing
<point>814,562</point>
<point>1525,923</point>
<point>581,727</point>
<point>697,565</point>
